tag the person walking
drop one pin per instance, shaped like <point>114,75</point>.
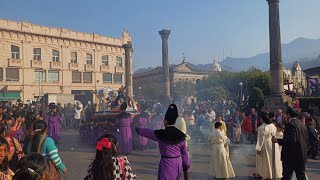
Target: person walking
<point>265,161</point>
<point>77,116</point>
<point>172,145</point>
<point>69,115</point>
<point>220,164</point>
<point>53,120</point>
<point>125,133</point>
<point>294,147</point>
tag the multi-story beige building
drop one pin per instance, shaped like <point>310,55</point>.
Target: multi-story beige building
<point>35,60</point>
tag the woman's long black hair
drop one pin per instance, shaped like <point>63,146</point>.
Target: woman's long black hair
<point>32,167</point>
<point>4,166</point>
<point>102,166</point>
<point>39,127</point>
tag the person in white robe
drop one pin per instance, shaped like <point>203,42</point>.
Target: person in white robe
<point>220,164</point>
<point>265,163</point>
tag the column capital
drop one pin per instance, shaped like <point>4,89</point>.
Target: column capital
<point>127,46</point>
<point>165,33</point>
<point>273,1</point>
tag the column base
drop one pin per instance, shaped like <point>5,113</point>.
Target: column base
<point>275,102</point>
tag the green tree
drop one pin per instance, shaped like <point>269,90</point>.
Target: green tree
<point>256,98</point>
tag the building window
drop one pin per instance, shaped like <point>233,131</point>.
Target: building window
<point>53,76</point>
<point>87,77</point>
<point>37,54</point>
<point>15,52</point>
<point>89,58</point>
<point>107,78</point>
<point>119,61</point>
<point>76,77</point>
<point>12,74</point>
<point>1,74</point>
<point>39,76</point>
<point>104,60</point>
<point>74,59</point>
<point>117,78</point>
<point>55,56</point>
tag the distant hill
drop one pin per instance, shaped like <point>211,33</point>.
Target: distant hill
<point>301,49</point>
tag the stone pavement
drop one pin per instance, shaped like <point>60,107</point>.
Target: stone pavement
<point>77,157</point>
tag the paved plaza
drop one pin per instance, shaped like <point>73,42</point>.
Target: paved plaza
<point>77,157</point>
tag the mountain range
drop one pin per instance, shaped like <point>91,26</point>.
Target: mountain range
<point>305,51</point>
<point>302,50</point>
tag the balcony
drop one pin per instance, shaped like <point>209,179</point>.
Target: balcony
<point>55,65</point>
<point>36,64</point>
<point>119,69</point>
<point>73,66</point>
<point>14,62</point>
<point>104,68</point>
<point>89,67</point>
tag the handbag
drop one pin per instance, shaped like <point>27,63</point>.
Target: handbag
<point>51,172</point>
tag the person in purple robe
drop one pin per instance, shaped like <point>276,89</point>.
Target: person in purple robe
<point>142,122</point>
<point>172,145</point>
<point>125,135</point>
<point>53,119</point>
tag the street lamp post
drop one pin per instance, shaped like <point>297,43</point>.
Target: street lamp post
<point>140,92</point>
<point>241,84</point>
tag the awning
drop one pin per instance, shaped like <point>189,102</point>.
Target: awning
<point>9,96</point>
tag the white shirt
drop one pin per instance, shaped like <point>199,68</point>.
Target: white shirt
<point>77,113</point>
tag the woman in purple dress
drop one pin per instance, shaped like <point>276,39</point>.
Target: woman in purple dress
<point>142,122</point>
<point>172,145</point>
<point>125,135</point>
<point>53,119</point>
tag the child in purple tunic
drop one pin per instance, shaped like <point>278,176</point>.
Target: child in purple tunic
<point>172,145</point>
<point>53,119</point>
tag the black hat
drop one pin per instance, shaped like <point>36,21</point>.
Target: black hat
<point>172,114</point>
<point>52,106</point>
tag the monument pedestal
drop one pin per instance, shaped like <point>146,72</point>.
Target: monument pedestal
<point>278,102</point>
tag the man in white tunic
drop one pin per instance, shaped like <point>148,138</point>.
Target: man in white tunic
<point>265,163</point>
<point>220,165</point>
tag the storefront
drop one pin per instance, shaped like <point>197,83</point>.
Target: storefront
<point>9,96</point>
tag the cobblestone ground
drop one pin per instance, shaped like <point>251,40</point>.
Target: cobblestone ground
<point>78,156</point>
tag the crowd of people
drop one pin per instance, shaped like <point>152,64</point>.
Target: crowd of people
<point>29,134</point>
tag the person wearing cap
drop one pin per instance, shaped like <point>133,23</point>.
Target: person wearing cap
<point>172,146</point>
<point>53,119</point>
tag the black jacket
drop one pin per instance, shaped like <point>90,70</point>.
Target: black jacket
<point>294,142</point>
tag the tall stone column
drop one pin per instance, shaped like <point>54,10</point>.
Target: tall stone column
<point>276,67</point>
<point>277,98</point>
<point>128,65</point>
<point>165,63</point>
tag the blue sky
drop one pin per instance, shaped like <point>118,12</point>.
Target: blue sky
<point>202,30</point>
